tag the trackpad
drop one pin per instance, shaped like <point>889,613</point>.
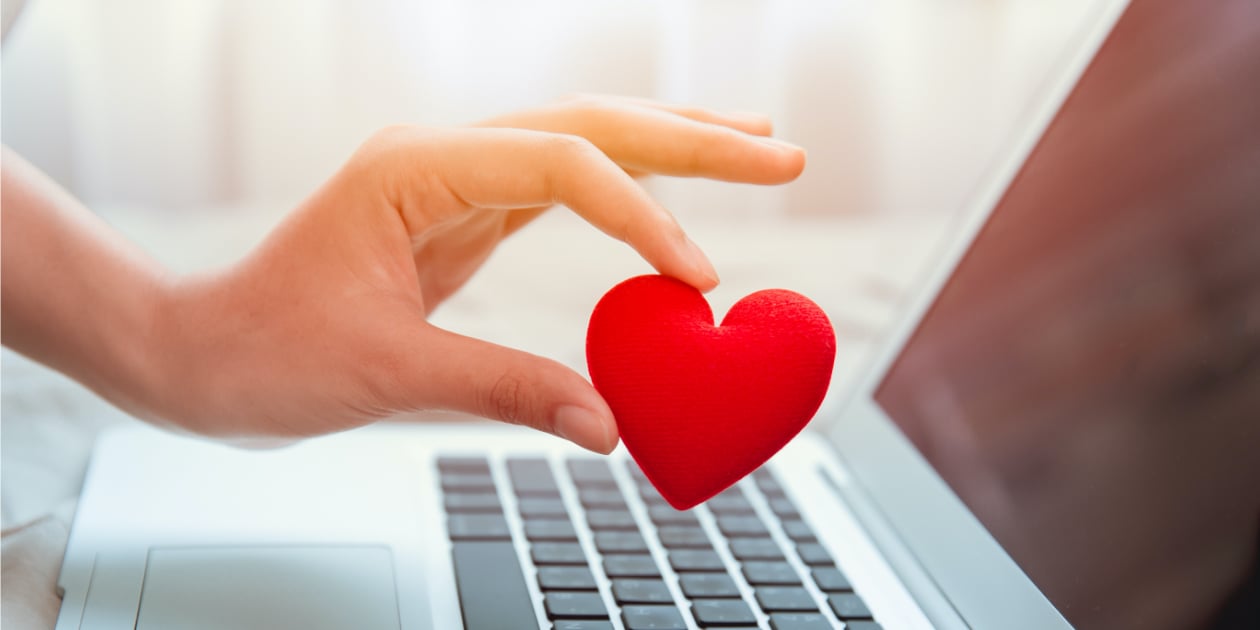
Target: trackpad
<point>269,587</point>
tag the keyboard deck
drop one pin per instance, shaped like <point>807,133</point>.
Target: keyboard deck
<point>599,544</point>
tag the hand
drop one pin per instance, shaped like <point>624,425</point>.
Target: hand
<point>322,328</point>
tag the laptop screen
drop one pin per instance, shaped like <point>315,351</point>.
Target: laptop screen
<point>1088,381</point>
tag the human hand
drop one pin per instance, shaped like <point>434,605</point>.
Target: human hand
<point>323,327</point>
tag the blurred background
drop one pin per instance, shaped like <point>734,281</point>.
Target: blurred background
<point>193,125</point>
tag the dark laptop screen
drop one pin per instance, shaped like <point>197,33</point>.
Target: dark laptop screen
<point>1088,381</point>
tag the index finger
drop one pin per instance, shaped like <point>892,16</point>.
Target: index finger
<point>516,169</point>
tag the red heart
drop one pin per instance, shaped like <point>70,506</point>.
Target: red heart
<point>699,406</point>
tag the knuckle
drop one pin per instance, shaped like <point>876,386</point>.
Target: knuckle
<point>566,146</point>
<point>505,399</point>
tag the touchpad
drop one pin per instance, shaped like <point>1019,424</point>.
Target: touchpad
<point>269,587</point>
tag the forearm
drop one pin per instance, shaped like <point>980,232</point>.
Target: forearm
<point>75,295</point>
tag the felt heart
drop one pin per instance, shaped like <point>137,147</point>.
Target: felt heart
<point>699,406</point>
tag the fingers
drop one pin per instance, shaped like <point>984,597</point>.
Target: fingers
<point>516,169</point>
<point>465,374</point>
<point>747,122</point>
<point>674,140</point>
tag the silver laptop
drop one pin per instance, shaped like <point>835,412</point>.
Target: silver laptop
<point>1061,431</point>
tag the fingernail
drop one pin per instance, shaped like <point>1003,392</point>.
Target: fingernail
<point>777,143</point>
<point>701,263</point>
<point>584,428</point>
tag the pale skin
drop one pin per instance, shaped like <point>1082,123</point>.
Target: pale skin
<point>323,326</point>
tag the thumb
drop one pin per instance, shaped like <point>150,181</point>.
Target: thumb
<point>473,376</point>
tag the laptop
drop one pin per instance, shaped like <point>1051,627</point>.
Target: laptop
<point>1061,431</point>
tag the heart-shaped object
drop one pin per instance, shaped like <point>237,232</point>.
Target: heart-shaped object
<point>700,406</point>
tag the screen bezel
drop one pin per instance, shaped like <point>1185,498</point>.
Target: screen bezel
<point>970,569</point>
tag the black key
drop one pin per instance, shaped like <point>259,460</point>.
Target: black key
<point>630,565</point>
<point>664,514</point>
<point>814,554</point>
<point>784,508</point>
<point>565,579</point>
<point>730,501</point>
<point>589,471</point>
<point>798,531</point>
<point>848,606</point>
<point>467,502</point>
<point>707,585</point>
<point>478,527</point>
<point>492,590</point>
<point>756,549</point>
<point>651,496</point>
<point>673,536</point>
<point>459,482</point>
<point>632,591</point>
<point>652,618</point>
<point>557,553</point>
<point>471,465</point>
<point>620,542</point>
<point>549,530</point>
<point>862,625</point>
<point>758,572</point>
<point>611,519</point>
<point>741,525</point>
<point>601,498</point>
<point>799,621</point>
<point>768,484</point>
<point>722,612</point>
<point>578,624</point>
<point>574,605</point>
<point>532,476</point>
<point>695,560</point>
<point>831,580</point>
<point>785,598</point>
<point>533,507</point>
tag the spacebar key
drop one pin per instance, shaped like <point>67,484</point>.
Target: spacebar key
<point>492,591</point>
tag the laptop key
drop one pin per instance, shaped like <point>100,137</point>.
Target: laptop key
<point>784,508</point>
<point>601,498</point>
<point>549,530</point>
<point>767,483</point>
<point>861,624</point>
<point>785,598</point>
<point>551,553</point>
<point>639,591</point>
<point>799,621</point>
<point>573,605</point>
<point>684,560</point>
<point>814,555</point>
<point>722,612</point>
<point>478,527</point>
<point>620,542</point>
<point>472,464</point>
<point>798,531</point>
<point>630,565</point>
<point>471,502</point>
<point>730,501</point>
<point>581,624</point>
<point>741,525</point>
<point>589,471</point>
<point>848,606</point>
<point>756,549</point>
<point>759,572</point>
<point>611,519</point>
<point>831,580</point>
<point>534,507</point>
<point>459,482</point>
<point>707,585</point>
<point>566,579</point>
<point>664,514</point>
<point>491,586</point>
<point>532,476</point>
<point>673,536</point>
<point>652,618</point>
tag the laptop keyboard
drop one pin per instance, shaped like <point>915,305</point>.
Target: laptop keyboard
<point>598,549</point>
